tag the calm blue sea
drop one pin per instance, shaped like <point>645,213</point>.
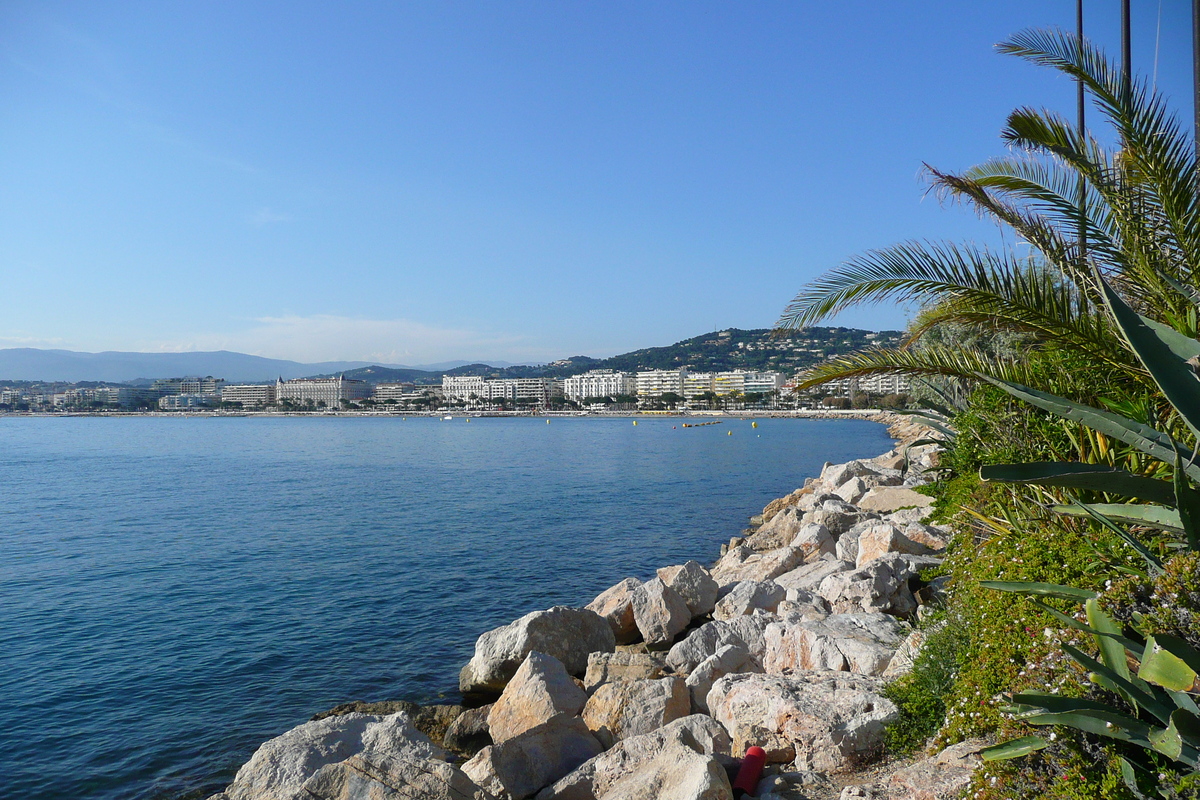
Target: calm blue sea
<point>175,591</point>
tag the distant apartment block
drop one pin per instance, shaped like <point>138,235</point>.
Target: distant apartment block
<point>461,387</point>
<point>395,391</point>
<point>697,383</point>
<point>760,382</point>
<point>110,396</point>
<point>599,383</point>
<point>172,386</point>
<point>250,395</point>
<point>181,402</point>
<point>870,384</point>
<point>501,389</point>
<point>330,391</point>
<point>653,383</point>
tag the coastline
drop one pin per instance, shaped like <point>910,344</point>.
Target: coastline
<point>452,727</point>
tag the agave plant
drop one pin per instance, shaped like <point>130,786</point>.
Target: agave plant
<point>1139,208</point>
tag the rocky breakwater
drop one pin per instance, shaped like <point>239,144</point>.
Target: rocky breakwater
<point>654,688</point>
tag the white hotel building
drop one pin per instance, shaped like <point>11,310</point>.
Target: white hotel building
<point>660,381</point>
<point>250,395</point>
<point>330,391</point>
<point>599,383</point>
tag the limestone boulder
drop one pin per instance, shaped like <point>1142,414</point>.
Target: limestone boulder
<point>838,474</point>
<point>525,764</point>
<point>697,733</point>
<point>852,490</point>
<point>540,690</point>
<point>729,659</point>
<point>931,536</point>
<point>745,564</point>
<point>379,777</point>
<point>660,613</point>
<point>886,499</point>
<point>468,733</point>
<point>859,643</point>
<point>815,499</point>
<point>747,630</point>
<point>798,603</point>
<point>615,605</point>
<point>940,777</point>
<point>777,533</point>
<point>619,710</point>
<point>824,721</point>
<point>808,577</point>
<point>835,516</point>
<point>280,766</point>
<point>568,634</point>
<point>884,538</point>
<point>694,584</point>
<point>879,585</point>
<point>745,596</point>
<point>622,666</point>
<point>815,540</point>
<point>676,773</point>
<point>775,506</point>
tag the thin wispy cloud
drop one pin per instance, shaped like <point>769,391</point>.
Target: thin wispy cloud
<point>266,216</point>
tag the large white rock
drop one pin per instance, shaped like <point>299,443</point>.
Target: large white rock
<point>615,605</point>
<point>745,596</point>
<point>815,540</point>
<point>880,585</point>
<point>745,564</point>
<point>778,532</point>
<point>521,766</point>
<point>940,777</point>
<point>280,766</point>
<point>802,604</point>
<point>809,576</point>
<point>697,733</point>
<point>860,643</point>
<point>376,777</point>
<point>630,708</point>
<point>838,474</point>
<point>567,634</point>
<point>884,538</point>
<point>540,690</point>
<point>660,613</point>
<point>730,658</point>
<point>886,499</point>
<point>622,666</point>
<point>747,630</point>
<point>694,584</point>
<point>825,721</point>
<point>676,773</point>
<point>852,490</point>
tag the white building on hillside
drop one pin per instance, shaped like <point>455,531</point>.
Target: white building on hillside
<point>599,383</point>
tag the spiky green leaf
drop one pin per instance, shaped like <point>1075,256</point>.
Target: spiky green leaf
<point>1014,748</point>
<point>1077,475</point>
<point>1033,588</point>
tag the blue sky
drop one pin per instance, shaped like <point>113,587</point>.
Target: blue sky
<point>520,181</point>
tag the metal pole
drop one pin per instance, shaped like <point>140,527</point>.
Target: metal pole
<point>1082,102</point>
<point>1126,57</point>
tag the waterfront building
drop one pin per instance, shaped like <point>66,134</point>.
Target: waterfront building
<point>499,389</point>
<point>330,391</point>
<point>461,387</point>
<point>195,385</point>
<point>538,390</point>
<point>697,383</point>
<point>869,384</point>
<point>180,402</point>
<point>761,382</point>
<point>656,382</point>
<point>395,391</point>
<point>599,383</point>
<point>250,395</point>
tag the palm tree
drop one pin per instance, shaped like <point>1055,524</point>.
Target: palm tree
<point>1138,205</point>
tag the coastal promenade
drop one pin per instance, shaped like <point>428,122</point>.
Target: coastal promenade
<point>660,688</point>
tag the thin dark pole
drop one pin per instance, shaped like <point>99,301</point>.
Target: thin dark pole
<point>1126,53</point>
<point>1196,77</point>
<point>1082,101</point>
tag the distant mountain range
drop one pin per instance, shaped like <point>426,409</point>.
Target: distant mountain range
<point>758,349</point>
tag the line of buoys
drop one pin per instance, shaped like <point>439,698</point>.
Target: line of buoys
<point>702,424</point>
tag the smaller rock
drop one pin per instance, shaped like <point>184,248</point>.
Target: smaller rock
<point>879,539</point>
<point>540,690</point>
<point>852,490</point>
<point>630,708</point>
<point>660,613</point>
<point>809,576</point>
<point>694,584</point>
<point>745,596</point>
<point>615,605</point>
<point>675,773</point>
<point>859,643</point>
<point>521,766</point>
<point>893,498</point>
<point>372,776</point>
<point>730,658</point>
<point>775,506</point>
<point>941,777</point>
<point>744,564</point>
<point>838,474</point>
<point>803,605</point>
<point>622,666</point>
<point>815,540</point>
<point>468,733</point>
